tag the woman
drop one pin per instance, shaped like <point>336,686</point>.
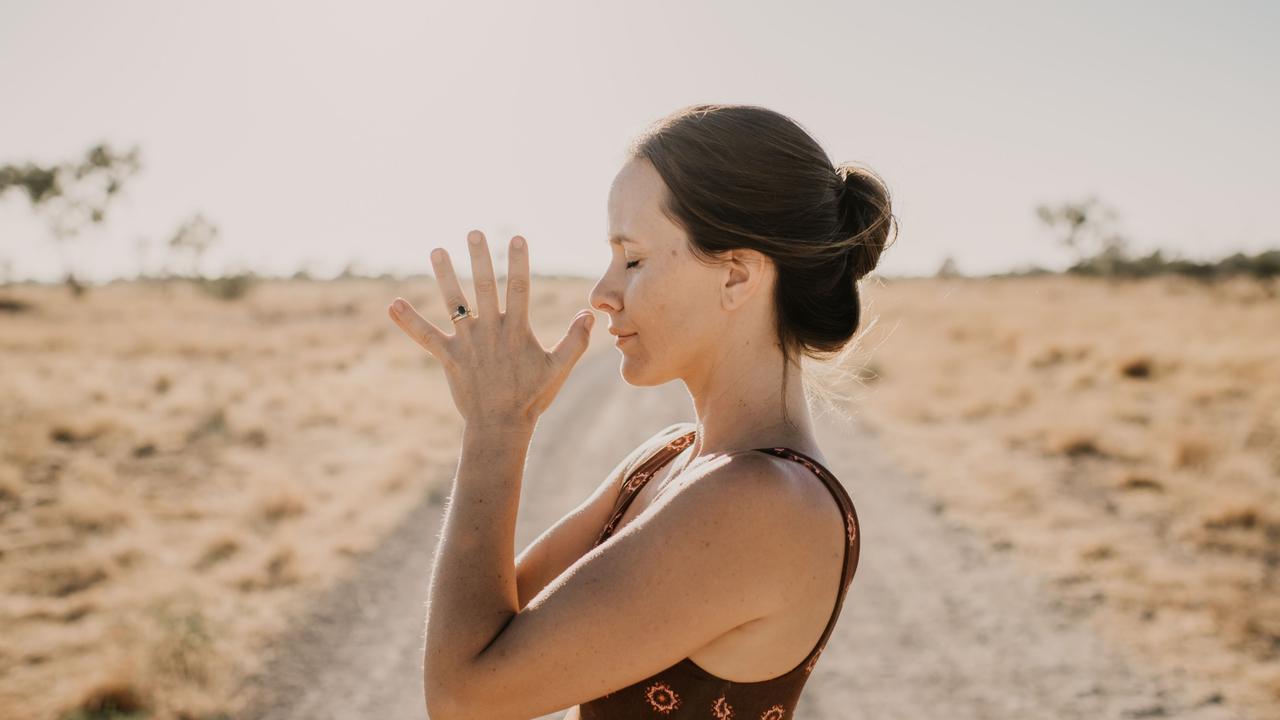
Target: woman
<point>710,591</point>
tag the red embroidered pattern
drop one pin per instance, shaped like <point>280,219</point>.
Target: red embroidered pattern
<point>662,697</point>
<point>722,709</point>
<point>774,713</point>
<point>808,668</point>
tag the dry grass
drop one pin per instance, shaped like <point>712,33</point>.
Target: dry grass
<point>1121,438</point>
<point>178,472</point>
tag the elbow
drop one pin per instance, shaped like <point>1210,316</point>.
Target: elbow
<point>442,707</point>
<point>445,700</point>
<point>441,704</point>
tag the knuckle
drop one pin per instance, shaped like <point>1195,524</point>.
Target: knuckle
<point>486,286</point>
<point>519,285</point>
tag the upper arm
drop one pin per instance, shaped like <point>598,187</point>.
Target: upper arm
<point>572,536</point>
<point>718,551</point>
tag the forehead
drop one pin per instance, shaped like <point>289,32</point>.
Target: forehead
<point>635,205</point>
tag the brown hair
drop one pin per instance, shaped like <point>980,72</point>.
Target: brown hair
<point>742,176</point>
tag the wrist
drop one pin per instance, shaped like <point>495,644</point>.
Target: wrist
<point>506,426</point>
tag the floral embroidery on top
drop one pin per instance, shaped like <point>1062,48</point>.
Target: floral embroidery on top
<point>808,667</point>
<point>774,713</point>
<point>852,527</point>
<point>662,697</point>
<point>722,709</point>
<point>637,480</point>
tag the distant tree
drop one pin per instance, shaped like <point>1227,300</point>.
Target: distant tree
<point>948,268</point>
<point>192,238</point>
<point>1087,229</point>
<point>73,195</point>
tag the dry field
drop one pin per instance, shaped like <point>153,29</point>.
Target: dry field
<point>178,473</point>
<point>1121,438</point>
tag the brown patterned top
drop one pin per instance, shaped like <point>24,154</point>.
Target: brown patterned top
<point>686,690</point>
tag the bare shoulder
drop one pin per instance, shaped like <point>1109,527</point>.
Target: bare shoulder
<point>766,511</point>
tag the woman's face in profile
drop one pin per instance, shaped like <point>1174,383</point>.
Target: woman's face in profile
<point>653,286</point>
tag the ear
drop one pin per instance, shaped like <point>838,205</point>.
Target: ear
<point>744,276</point>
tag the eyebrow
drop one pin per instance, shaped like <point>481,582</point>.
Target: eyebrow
<point>620,239</point>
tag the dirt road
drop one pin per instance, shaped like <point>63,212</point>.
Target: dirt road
<point>937,624</point>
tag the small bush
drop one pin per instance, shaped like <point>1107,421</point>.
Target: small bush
<point>227,287</point>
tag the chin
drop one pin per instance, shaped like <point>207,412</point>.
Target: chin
<point>632,375</point>
<point>638,375</point>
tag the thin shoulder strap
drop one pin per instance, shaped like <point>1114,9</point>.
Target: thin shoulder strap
<point>852,545</point>
<point>641,474</point>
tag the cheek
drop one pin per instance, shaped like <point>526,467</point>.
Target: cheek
<point>667,311</point>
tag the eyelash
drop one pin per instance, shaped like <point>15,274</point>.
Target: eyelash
<point>632,264</point>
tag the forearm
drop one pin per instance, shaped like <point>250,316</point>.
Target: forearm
<point>473,592</point>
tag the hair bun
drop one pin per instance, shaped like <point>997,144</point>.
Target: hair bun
<point>866,217</point>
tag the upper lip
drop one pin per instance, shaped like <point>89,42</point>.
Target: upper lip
<point>619,334</point>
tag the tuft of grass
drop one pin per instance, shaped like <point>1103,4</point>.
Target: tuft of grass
<point>1075,444</point>
<point>1191,453</point>
<point>183,650</point>
<point>1140,482</point>
<point>1245,518</point>
<point>280,570</point>
<point>281,504</point>
<point>111,700</point>
<point>227,287</point>
<point>1137,368</point>
<point>14,305</point>
<point>216,552</point>
<point>62,580</point>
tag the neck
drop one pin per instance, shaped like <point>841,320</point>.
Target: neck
<point>739,398</point>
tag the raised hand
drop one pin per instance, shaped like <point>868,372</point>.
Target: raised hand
<point>498,372</point>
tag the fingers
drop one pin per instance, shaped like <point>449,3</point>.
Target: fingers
<point>518,279</point>
<point>485,282</point>
<point>450,290</point>
<point>415,326</point>
<point>575,342</point>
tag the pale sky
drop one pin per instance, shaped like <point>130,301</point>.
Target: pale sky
<point>317,134</point>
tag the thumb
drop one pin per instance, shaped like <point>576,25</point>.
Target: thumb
<point>575,342</point>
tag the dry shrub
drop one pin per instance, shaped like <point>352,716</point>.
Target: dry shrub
<point>1073,443</point>
<point>1131,481</point>
<point>181,651</point>
<point>111,700</point>
<point>91,509</point>
<point>1138,368</point>
<point>216,551</point>
<point>1191,453</point>
<point>281,503</point>
<point>62,579</point>
<point>279,570</point>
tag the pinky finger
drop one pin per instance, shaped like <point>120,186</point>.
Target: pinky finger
<point>416,327</point>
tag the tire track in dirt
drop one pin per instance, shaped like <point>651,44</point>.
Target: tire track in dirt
<point>936,623</point>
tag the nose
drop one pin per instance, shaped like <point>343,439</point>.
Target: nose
<point>605,296</point>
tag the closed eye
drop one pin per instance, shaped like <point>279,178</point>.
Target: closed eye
<point>632,264</point>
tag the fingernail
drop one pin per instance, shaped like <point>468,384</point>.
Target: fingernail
<point>398,306</point>
<point>518,242</point>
